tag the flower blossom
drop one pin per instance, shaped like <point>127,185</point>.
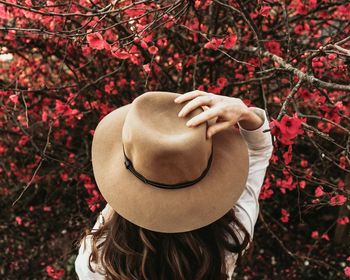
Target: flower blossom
<point>287,129</point>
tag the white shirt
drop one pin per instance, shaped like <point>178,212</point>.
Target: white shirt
<point>260,148</point>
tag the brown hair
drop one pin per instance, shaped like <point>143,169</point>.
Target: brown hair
<point>131,252</point>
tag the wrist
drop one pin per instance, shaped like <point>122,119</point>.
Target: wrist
<point>250,120</point>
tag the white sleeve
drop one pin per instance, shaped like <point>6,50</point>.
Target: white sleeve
<point>260,148</point>
<point>82,260</point>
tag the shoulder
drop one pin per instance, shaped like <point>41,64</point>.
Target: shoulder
<point>82,262</point>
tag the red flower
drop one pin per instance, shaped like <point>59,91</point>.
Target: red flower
<point>119,53</point>
<point>287,156</point>
<point>47,208</point>
<point>14,98</point>
<point>214,43</point>
<point>325,236</point>
<point>338,199</point>
<point>274,47</point>
<point>4,14</point>
<point>287,129</point>
<point>96,41</point>
<point>19,220</point>
<point>302,9</point>
<point>230,41</point>
<point>55,274</point>
<point>222,81</point>
<point>64,176</point>
<point>24,140</point>
<point>313,4</point>
<point>285,215</point>
<point>347,271</point>
<point>319,191</point>
<point>299,29</point>
<point>199,4</point>
<point>286,183</point>
<point>44,116</point>
<point>342,161</point>
<point>214,89</point>
<point>343,220</point>
<point>143,44</point>
<point>314,234</point>
<point>264,11</point>
<point>153,49</point>
<point>146,68</point>
<point>136,12</point>
<point>332,56</point>
<point>265,193</point>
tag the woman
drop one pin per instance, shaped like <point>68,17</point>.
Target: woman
<point>181,185</point>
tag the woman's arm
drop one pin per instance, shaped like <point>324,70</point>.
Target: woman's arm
<point>223,112</point>
<point>251,120</point>
<point>260,148</point>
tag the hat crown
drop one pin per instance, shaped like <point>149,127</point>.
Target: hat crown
<point>160,145</point>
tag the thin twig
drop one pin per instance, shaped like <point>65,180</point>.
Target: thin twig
<point>37,168</point>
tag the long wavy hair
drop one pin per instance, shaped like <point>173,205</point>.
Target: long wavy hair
<point>129,252</point>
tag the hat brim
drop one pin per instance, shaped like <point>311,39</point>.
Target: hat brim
<point>165,210</point>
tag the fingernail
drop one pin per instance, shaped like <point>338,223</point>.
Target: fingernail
<point>189,123</point>
<point>179,114</point>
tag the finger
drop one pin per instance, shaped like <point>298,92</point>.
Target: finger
<point>194,104</point>
<point>189,95</point>
<point>213,120</point>
<point>215,128</point>
<point>204,116</point>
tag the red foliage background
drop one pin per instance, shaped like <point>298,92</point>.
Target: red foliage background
<point>65,65</point>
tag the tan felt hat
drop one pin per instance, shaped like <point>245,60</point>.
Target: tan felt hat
<point>161,175</point>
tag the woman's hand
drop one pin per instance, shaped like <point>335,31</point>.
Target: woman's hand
<point>227,111</point>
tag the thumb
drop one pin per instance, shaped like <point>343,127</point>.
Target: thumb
<point>217,127</point>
